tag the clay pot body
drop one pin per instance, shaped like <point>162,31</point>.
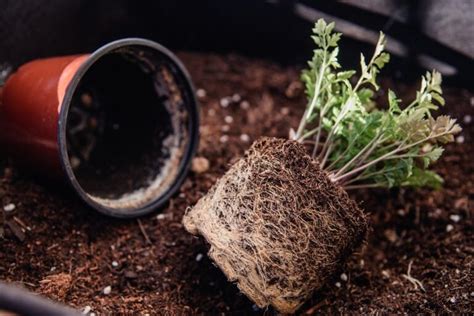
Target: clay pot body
<point>120,125</point>
<point>29,112</point>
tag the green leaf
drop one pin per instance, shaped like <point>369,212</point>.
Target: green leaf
<point>363,65</point>
<point>344,75</point>
<point>393,102</point>
<point>438,98</point>
<point>382,59</point>
<point>365,96</point>
<point>435,153</point>
<point>364,143</point>
<point>423,178</point>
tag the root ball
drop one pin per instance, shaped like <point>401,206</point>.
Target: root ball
<point>276,224</point>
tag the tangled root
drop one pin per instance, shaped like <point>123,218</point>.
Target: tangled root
<point>276,224</point>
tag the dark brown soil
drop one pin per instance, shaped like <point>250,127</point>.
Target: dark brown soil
<point>71,253</point>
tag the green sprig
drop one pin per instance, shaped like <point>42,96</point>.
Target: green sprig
<point>359,144</point>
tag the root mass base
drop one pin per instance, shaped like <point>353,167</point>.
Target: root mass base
<point>277,225</point>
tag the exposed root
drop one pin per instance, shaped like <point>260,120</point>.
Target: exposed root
<point>277,225</point>
<point>416,283</point>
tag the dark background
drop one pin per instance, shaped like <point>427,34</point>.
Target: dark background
<point>273,29</point>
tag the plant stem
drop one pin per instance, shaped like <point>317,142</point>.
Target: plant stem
<point>364,175</point>
<point>318,135</point>
<point>344,153</point>
<point>388,156</point>
<point>310,109</point>
<point>309,133</point>
<point>363,186</point>
<point>344,110</point>
<point>367,147</point>
<point>323,162</point>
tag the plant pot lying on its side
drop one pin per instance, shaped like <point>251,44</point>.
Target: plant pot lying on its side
<point>277,225</point>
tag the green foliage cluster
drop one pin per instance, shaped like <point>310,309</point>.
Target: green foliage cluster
<point>358,143</point>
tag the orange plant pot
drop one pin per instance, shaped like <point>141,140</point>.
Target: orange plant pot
<point>120,124</point>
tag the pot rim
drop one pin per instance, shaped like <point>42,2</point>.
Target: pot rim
<point>193,128</point>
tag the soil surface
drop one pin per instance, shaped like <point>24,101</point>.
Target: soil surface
<point>418,258</point>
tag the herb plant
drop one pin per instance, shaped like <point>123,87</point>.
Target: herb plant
<point>359,144</point>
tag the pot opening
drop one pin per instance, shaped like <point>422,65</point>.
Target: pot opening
<point>126,128</point>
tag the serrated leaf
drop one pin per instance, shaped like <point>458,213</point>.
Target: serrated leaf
<point>394,146</point>
<point>393,102</point>
<point>438,98</point>
<point>435,153</point>
<point>334,39</point>
<point>422,178</point>
<point>344,75</point>
<point>381,60</point>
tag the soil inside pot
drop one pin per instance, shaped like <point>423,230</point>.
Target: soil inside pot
<point>126,151</point>
<point>430,231</point>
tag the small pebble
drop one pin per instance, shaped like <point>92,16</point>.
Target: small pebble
<point>236,98</point>
<point>160,217</point>
<point>86,310</point>
<point>86,99</point>
<point>457,271</point>
<point>224,139</point>
<point>228,119</point>
<point>285,111</point>
<point>199,257</point>
<point>224,102</point>
<point>449,228</point>
<point>130,275</point>
<point>452,300</point>
<point>467,119</point>
<point>455,217</point>
<point>344,277</point>
<point>211,112</point>
<point>201,93</point>
<point>9,207</point>
<point>92,314</point>
<point>114,264</point>
<point>52,269</point>
<point>244,105</point>
<point>225,128</point>
<point>338,284</point>
<point>8,173</point>
<point>460,139</point>
<point>200,165</point>
<point>107,290</point>
<point>75,162</point>
<point>245,138</point>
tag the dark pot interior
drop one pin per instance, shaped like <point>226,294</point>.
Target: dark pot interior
<point>127,129</point>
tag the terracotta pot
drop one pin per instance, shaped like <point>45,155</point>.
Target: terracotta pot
<point>120,125</point>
